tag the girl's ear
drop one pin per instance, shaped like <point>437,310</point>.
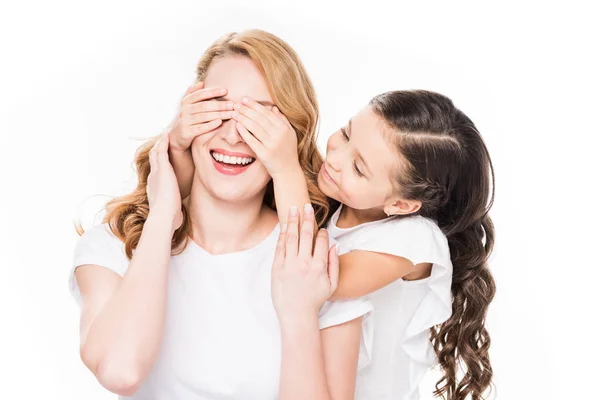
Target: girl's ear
<point>402,207</point>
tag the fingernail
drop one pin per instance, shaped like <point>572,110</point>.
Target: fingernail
<point>293,211</point>
<point>235,114</point>
<point>237,106</point>
<point>307,208</point>
<point>283,228</point>
<point>244,100</point>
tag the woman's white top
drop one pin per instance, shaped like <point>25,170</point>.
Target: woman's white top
<point>403,311</point>
<point>222,337</point>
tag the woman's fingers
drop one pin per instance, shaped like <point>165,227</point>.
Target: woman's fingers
<point>153,155</point>
<point>321,247</point>
<point>291,240</point>
<point>334,268</point>
<point>280,249</point>
<point>163,149</point>
<point>307,232</point>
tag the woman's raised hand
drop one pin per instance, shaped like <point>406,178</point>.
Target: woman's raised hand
<point>302,279</point>
<point>164,198</point>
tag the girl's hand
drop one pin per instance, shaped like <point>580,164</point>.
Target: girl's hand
<point>198,115</point>
<point>301,281</point>
<point>269,134</point>
<point>164,198</point>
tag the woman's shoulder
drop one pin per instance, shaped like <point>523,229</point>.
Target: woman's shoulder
<point>98,235</point>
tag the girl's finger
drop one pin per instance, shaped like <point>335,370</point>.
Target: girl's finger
<point>250,140</point>
<point>256,112</point>
<point>321,247</point>
<point>194,87</point>
<point>204,94</point>
<point>334,268</point>
<point>251,126</point>
<point>306,232</point>
<point>279,260</point>
<point>201,118</point>
<point>279,115</point>
<point>210,105</point>
<point>200,129</point>
<point>291,239</point>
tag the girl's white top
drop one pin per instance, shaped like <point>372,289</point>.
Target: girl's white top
<point>222,337</point>
<point>399,350</point>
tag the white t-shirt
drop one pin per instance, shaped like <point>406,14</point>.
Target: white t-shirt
<point>222,336</point>
<point>403,311</point>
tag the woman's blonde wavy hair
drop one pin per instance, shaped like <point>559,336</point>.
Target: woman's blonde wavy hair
<point>292,93</point>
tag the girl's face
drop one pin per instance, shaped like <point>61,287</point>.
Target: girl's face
<point>226,181</point>
<point>360,163</point>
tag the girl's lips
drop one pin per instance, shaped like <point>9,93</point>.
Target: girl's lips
<point>326,175</point>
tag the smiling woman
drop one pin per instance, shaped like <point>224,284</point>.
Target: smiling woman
<point>176,295</point>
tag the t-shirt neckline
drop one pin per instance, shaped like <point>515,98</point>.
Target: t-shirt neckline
<point>242,253</point>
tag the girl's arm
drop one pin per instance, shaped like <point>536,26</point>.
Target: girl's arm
<point>273,139</point>
<point>364,272</point>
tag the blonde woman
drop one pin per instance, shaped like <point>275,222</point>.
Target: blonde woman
<point>177,298</point>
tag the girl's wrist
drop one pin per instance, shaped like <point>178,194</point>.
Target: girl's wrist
<point>289,174</point>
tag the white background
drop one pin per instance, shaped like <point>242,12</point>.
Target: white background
<point>80,80</point>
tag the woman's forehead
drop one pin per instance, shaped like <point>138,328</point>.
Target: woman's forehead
<point>240,76</point>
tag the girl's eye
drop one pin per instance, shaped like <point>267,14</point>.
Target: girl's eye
<point>345,134</point>
<point>360,174</point>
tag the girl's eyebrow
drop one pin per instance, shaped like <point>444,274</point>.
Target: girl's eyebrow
<point>264,103</point>
<point>358,152</point>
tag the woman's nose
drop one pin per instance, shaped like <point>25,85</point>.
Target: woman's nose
<point>229,132</point>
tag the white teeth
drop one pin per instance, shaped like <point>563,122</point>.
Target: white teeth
<point>231,159</point>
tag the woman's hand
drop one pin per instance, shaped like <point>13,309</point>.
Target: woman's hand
<point>162,189</point>
<point>198,114</point>
<point>301,281</point>
<point>269,134</point>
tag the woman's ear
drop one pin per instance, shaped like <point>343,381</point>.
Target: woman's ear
<point>402,207</point>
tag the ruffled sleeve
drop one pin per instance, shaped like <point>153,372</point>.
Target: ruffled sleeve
<point>421,241</point>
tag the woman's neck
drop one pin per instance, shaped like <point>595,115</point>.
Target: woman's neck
<point>221,227</point>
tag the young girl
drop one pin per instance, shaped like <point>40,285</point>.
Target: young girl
<point>412,174</point>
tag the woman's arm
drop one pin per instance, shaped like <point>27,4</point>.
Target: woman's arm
<point>320,365</point>
<point>122,319</point>
<point>315,364</point>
